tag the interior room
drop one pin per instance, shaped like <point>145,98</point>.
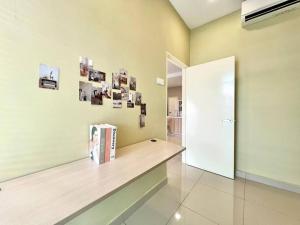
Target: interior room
<point>158,112</point>
<point>174,103</point>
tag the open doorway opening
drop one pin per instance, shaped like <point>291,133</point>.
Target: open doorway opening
<point>174,102</point>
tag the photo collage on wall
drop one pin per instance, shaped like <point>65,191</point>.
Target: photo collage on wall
<point>122,88</point>
<point>87,91</point>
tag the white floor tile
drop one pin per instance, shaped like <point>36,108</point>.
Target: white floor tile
<point>235,187</point>
<point>279,200</point>
<point>209,199</point>
<point>257,214</point>
<point>184,216</point>
<point>215,205</point>
<point>156,211</point>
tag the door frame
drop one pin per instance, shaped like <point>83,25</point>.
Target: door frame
<point>171,58</point>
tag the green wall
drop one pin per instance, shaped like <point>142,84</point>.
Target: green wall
<point>43,128</point>
<point>268,93</point>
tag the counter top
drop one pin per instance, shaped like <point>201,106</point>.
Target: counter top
<point>57,195</point>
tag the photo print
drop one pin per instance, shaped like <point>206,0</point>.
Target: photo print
<point>116,81</point>
<point>123,79</point>
<point>130,102</point>
<point>48,77</point>
<point>132,83</point>
<point>117,100</point>
<point>106,90</point>
<point>96,96</point>
<point>85,90</point>
<point>142,121</point>
<point>143,109</point>
<point>125,93</point>
<point>84,66</point>
<point>138,98</point>
<point>123,72</point>
<point>90,66</point>
<point>96,76</point>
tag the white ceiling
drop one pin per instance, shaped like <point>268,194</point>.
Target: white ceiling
<point>174,81</point>
<point>174,75</point>
<point>172,68</point>
<point>198,12</point>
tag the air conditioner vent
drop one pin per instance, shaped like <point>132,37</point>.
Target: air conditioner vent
<point>271,9</point>
<point>257,10</point>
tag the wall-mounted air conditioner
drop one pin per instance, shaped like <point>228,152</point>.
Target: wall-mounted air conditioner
<point>257,10</point>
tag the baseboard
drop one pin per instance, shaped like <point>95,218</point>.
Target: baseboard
<point>240,174</point>
<point>268,181</point>
<point>129,211</point>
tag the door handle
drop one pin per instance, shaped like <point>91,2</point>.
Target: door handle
<point>228,121</point>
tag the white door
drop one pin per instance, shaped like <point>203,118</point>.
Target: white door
<point>210,93</point>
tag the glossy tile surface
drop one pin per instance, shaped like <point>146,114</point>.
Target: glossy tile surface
<point>221,207</point>
<point>196,197</point>
<point>234,187</point>
<point>184,216</point>
<point>279,200</point>
<point>260,215</point>
<point>157,210</point>
<point>162,206</point>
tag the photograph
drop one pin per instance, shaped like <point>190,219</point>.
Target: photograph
<point>84,66</point>
<point>96,76</point>
<point>132,84</point>
<point>130,104</point>
<point>142,121</point>
<point>125,93</point>
<point>117,100</point>
<point>138,98</point>
<point>90,66</point>
<point>131,99</point>
<point>96,96</point>
<point>124,79</point>
<point>123,71</point>
<point>48,77</point>
<point>106,90</point>
<point>85,90</point>
<point>143,109</point>
<point>116,81</point>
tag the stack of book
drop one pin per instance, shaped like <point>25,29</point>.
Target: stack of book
<point>102,146</point>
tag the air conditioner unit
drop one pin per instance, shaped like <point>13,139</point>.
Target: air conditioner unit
<point>257,10</point>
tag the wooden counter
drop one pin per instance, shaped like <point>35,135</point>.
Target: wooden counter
<point>59,194</point>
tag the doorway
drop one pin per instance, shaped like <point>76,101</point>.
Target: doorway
<point>175,113</point>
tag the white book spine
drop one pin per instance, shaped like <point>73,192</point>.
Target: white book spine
<point>113,143</point>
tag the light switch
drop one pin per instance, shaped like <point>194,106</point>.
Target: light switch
<point>160,81</point>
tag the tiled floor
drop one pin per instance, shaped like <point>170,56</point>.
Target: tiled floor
<point>196,197</point>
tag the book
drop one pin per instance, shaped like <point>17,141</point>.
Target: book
<point>113,142</point>
<point>107,144</point>
<point>94,144</point>
<point>102,145</point>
